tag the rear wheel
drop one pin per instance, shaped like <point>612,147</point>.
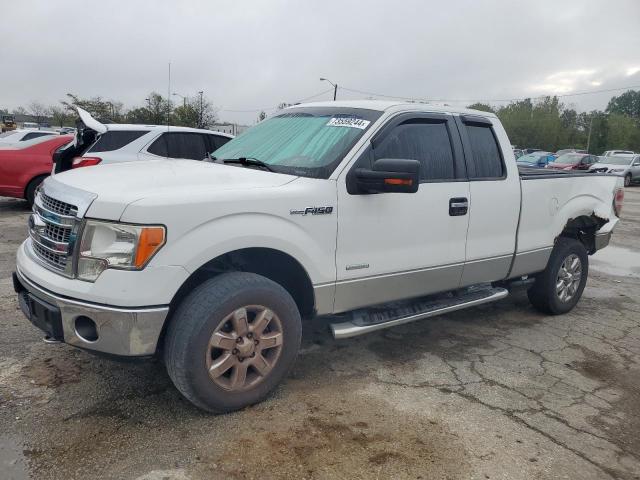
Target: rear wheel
<point>232,340</point>
<point>559,287</point>
<point>30,191</point>
<point>627,180</point>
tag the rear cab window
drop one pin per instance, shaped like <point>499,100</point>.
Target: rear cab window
<point>115,140</point>
<point>484,156</point>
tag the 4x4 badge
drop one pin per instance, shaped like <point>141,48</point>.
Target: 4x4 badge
<point>313,211</point>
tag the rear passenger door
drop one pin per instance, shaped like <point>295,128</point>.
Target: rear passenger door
<point>397,245</point>
<point>494,200</point>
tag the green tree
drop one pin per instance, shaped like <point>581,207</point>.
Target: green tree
<point>483,107</point>
<point>60,116</point>
<point>104,110</point>
<point>186,115</point>
<point>626,104</point>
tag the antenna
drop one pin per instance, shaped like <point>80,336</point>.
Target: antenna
<point>169,98</point>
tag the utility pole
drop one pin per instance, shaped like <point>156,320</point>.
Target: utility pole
<point>335,87</point>
<point>201,112</point>
<point>589,136</point>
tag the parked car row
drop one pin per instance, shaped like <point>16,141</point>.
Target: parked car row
<point>27,157</point>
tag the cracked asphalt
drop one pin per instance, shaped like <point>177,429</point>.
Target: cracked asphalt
<point>495,392</point>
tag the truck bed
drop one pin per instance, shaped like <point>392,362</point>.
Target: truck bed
<point>527,173</point>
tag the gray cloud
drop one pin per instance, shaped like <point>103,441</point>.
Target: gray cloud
<point>249,55</point>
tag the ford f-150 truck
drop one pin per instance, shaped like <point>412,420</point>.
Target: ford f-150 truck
<point>368,213</point>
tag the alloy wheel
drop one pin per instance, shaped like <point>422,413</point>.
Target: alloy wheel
<point>568,279</point>
<point>244,348</point>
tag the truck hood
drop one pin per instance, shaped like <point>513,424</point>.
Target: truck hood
<point>118,185</point>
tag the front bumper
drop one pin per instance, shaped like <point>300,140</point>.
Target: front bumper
<point>120,331</point>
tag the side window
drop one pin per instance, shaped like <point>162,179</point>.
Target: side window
<point>423,140</point>
<point>115,139</point>
<point>486,152</point>
<point>159,146</point>
<point>186,145</point>
<point>218,141</point>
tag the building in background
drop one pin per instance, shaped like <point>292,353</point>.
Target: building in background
<point>230,128</point>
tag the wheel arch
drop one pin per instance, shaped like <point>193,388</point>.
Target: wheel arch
<point>43,176</point>
<point>584,228</point>
<point>276,265</point>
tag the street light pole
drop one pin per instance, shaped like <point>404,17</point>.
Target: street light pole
<point>335,87</point>
<point>200,115</point>
<point>184,99</point>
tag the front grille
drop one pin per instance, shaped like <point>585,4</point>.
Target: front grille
<point>56,260</point>
<point>56,206</point>
<point>52,230</point>
<point>57,233</point>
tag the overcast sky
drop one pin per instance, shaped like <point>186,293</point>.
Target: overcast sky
<point>251,55</point>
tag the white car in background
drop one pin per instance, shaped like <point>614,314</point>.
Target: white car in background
<point>101,144</point>
<point>614,153</point>
<point>15,136</point>
<point>626,166</point>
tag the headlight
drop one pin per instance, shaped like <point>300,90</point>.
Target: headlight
<point>117,245</point>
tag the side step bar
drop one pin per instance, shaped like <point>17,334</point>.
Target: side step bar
<point>385,316</point>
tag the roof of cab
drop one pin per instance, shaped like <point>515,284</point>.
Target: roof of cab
<point>386,105</point>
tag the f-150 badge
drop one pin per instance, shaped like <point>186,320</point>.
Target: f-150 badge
<point>313,211</point>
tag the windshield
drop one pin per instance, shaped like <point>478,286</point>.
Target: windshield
<point>309,141</point>
<point>531,158</point>
<point>569,158</point>
<point>617,160</point>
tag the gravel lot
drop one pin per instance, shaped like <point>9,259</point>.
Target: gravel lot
<point>498,391</point>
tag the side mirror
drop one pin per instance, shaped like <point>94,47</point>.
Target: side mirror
<point>391,175</point>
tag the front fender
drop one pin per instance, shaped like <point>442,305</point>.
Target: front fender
<point>311,241</point>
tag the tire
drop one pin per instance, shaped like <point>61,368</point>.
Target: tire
<point>30,191</point>
<point>627,180</point>
<point>188,355</point>
<point>544,294</point>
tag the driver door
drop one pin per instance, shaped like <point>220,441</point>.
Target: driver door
<point>392,246</point>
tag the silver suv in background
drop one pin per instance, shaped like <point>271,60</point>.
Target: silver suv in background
<point>627,166</point>
<point>100,144</point>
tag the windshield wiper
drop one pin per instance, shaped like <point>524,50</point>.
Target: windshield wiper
<point>249,162</point>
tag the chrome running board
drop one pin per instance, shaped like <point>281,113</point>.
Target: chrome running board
<point>397,313</point>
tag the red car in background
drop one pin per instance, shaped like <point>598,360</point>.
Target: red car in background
<point>573,161</point>
<point>24,165</point>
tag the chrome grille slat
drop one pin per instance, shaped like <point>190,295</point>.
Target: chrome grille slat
<point>57,206</point>
<point>53,229</point>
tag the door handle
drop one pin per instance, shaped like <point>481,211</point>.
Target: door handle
<point>458,206</point>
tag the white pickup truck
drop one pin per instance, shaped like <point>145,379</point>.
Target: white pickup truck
<point>368,213</point>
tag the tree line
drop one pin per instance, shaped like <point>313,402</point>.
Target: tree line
<point>548,124</point>
<point>196,111</point>
<point>543,123</point>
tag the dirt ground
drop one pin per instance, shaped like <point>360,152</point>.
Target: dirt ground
<point>495,392</point>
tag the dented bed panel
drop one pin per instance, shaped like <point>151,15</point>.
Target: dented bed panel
<point>549,204</point>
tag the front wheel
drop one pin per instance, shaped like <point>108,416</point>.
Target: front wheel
<point>232,341</point>
<point>627,180</point>
<point>559,287</point>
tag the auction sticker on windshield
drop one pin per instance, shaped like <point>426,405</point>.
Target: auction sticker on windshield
<point>351,122</point>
